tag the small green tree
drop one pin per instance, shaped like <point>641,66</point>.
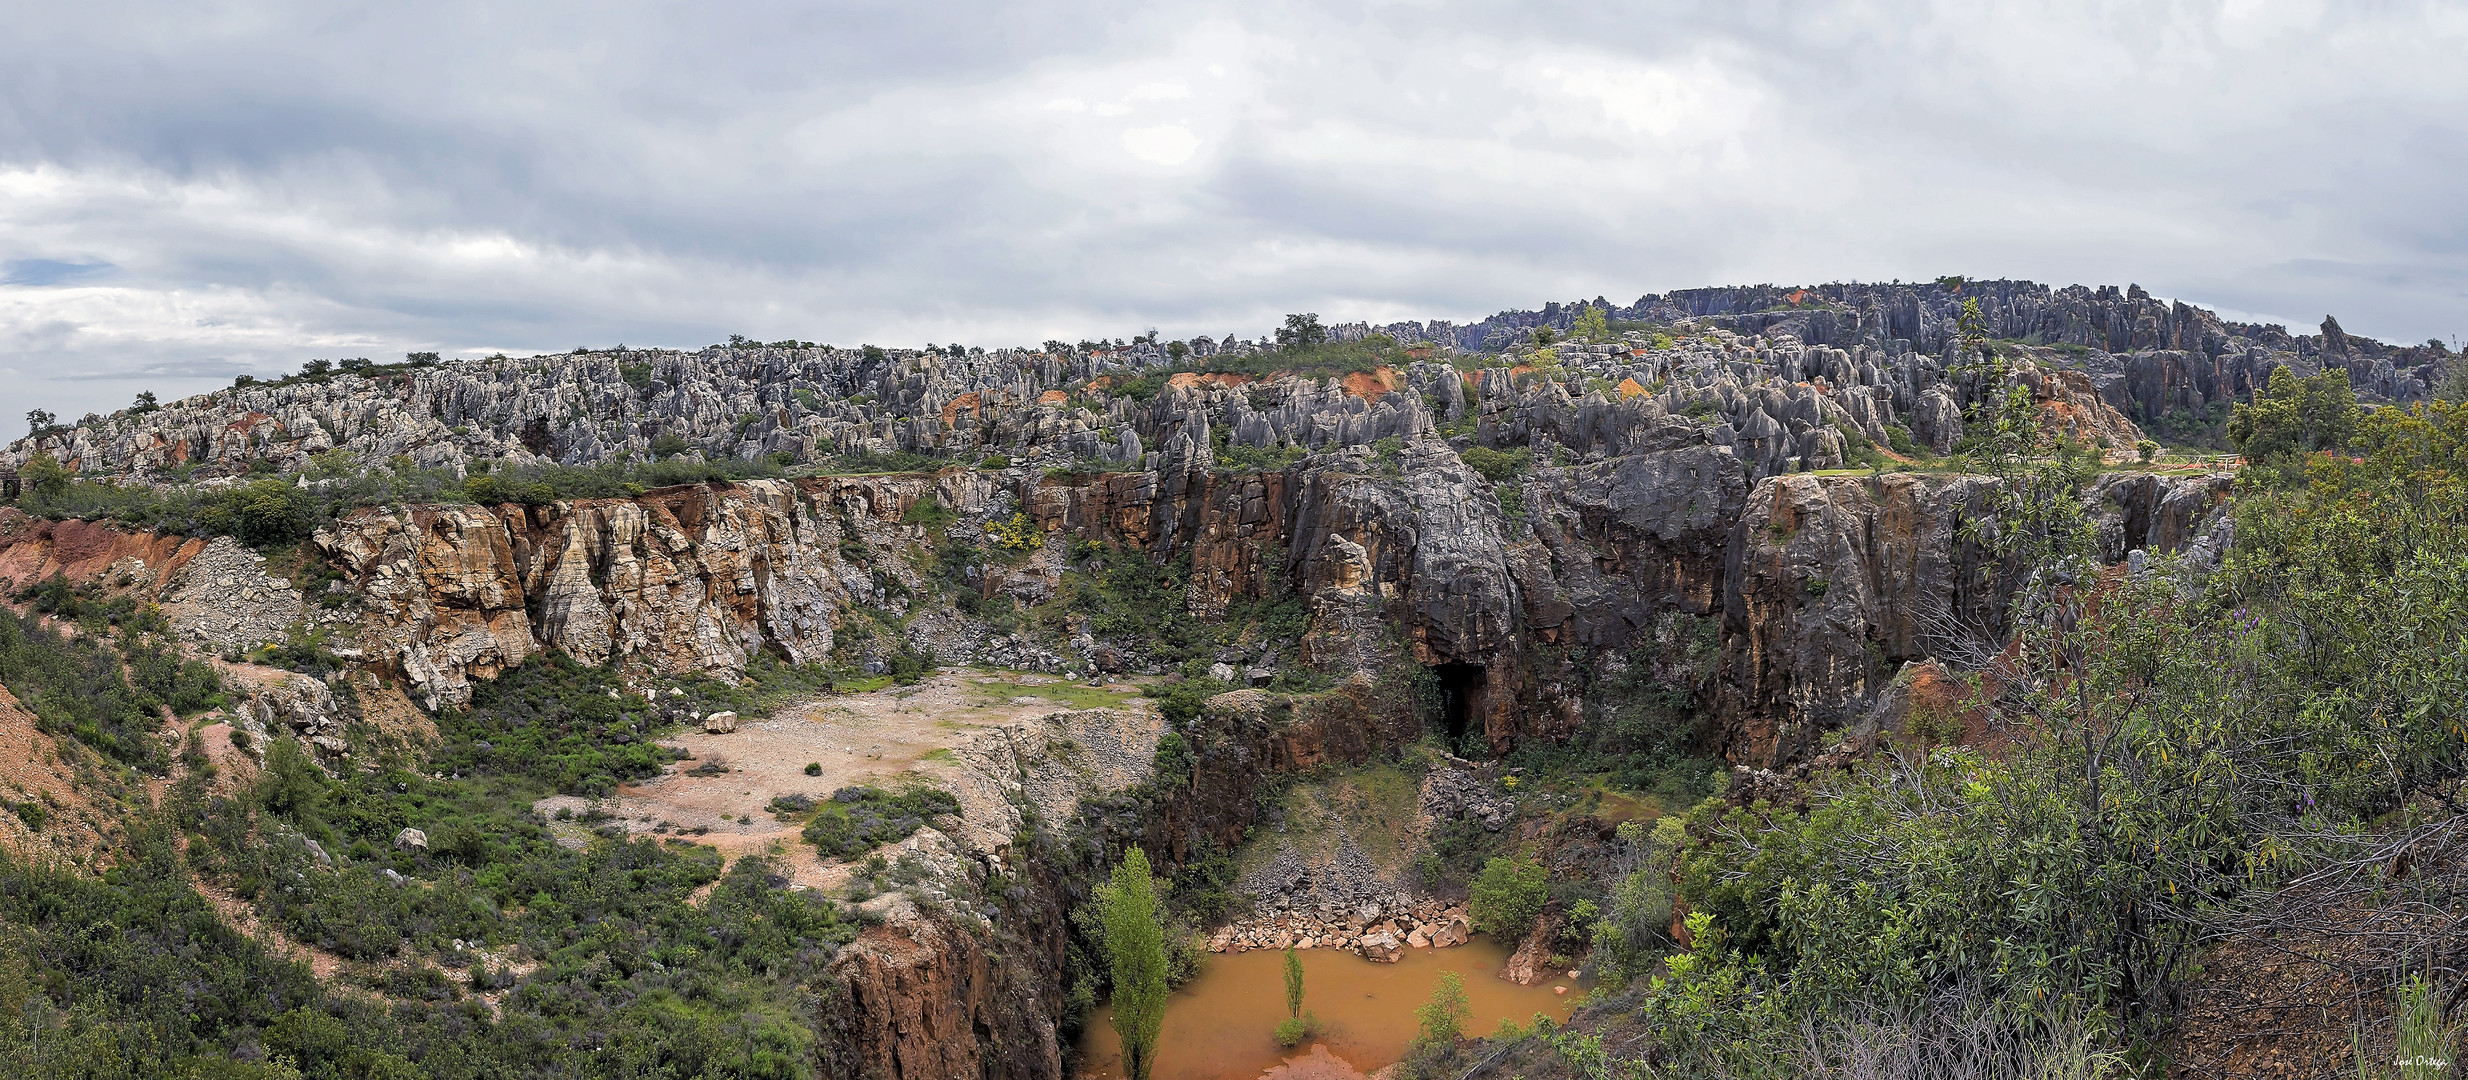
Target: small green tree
<point>2294,417</point>
<point>267,513</point>
<point>1293,982</point>
<point>1631,936</point>
<point>1135,950</point>
<point>290,786</point>
<point>1301,332</point>
<point>1443,1017</point>
<point>45,477</point>
<point>2146,450</point>
<point>1590,325</point>
<point>1508,895</point>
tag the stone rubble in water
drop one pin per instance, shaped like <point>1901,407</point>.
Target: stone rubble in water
<point>1380,929</point>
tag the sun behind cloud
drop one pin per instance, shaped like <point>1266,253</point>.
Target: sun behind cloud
<point>1164,144</point>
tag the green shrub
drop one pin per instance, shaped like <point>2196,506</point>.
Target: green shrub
<point>552,720</point>
<point>861,818</point>
<point>1899,437</point>
<point>1180,702</point>
<point>902,461</point>
<point>1385,452</point>
<point>1442,1018</point>
<point>929,513</point>
<point>1292,1030</point>
<point>1498,466</point>
<point>1508,896</point>
<point>910,666</point>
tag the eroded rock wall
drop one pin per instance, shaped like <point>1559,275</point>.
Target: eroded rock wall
<point>1833,584</point>
<point>690,579</point>
<point>1824,585</point>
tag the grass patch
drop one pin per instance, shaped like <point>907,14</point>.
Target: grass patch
<point>1076,695</point>
<point>865,684</point>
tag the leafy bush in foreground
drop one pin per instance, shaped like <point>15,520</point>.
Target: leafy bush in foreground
<point>2185,744</point>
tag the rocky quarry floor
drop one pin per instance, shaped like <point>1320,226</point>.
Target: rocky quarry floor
<point>721,793</point>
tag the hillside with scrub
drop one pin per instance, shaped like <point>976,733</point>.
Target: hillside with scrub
<point>1966,678</point>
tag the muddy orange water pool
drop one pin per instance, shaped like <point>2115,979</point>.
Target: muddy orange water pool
<point>1219,1025</point>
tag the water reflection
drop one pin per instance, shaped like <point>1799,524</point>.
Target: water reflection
<point>1218,1026</point>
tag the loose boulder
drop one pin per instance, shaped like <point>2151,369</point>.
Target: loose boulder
<point>1381,947</point>
<point>720,723</point>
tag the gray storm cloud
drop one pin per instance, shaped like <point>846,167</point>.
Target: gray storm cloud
<point>188,192</point>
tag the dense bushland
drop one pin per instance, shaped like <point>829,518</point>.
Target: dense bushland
<point>599,961</point>
<point>2178,745</point>
<point>77,684</point>
<point>856,820</point>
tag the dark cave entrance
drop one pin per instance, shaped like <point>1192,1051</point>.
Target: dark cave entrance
<point>1461,695</point>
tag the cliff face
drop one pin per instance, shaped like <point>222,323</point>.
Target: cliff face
<point>1824,585</point>
<point>970,989</point>
<point>1832,584</point>
<point>684,580</point>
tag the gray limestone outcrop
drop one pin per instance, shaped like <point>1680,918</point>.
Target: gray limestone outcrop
<point>1793,379</point>
<point>224,600</point>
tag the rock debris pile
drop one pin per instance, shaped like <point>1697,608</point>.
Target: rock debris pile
<point>1380,928</point>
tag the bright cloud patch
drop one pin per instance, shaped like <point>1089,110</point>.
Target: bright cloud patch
<point>1165,144</point>
<point>196,193</point>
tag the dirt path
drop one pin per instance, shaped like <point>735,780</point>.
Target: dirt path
<point>720,794</point>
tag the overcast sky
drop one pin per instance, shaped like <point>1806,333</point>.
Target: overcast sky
<point>192,191</point>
